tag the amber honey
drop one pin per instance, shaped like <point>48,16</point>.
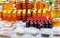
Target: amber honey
<point>28,13</point>
<point>54,13</point>
<point>34,14</point>
<point>42,5</point>
<point>30,5</point>
<point>39,13</point>
<point>56,22</point>
<point>9,16</point>
<point>11,6</point>
<point>19,14</point>
<point>14,16</point>
<point>47,4</point>
<point>5,4</point>
<point>4,14</point>
<point>38,4</point>
<point>18,5</point>
<point>24,15</point>
<point>44,12</point>
<point>0,13</point>
<point>23,5</point>
<point>48,14</point>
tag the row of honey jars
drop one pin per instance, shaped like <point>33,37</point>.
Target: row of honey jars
<point>42,4</point>
<point>23,14</point>
<point>31,5</point>
<point>23,5</point>
<point>12,15</point>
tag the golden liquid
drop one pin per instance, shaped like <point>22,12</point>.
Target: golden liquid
<point>56,23</point>
<point>29,13</point>
<point>44,12</point>
<point>9,16</point>
<point>5,15</point>
<point>34,14</point>
<point>30,5</point>
<point>38,5</point>
<point>23,5</point>
<point>3,6</point>
<point>48,14</point>
<point>18,5</point>
<point>24,15</point>
<point>19,14</point>
<point>54,13</point>
<point>47,4</point>
<point>14,16</point>
<point>10,6</point>
<point>42,6</point>
<point>39,13</point>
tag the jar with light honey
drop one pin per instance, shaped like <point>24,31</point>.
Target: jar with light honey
<point>39,13</point>
<point>44,13</point>
<point>34,13</point>
<point>47,4</point>
<point>28,13</point>
<point>48,13</point>
<point>55,13</point>
<point>56,22</point>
